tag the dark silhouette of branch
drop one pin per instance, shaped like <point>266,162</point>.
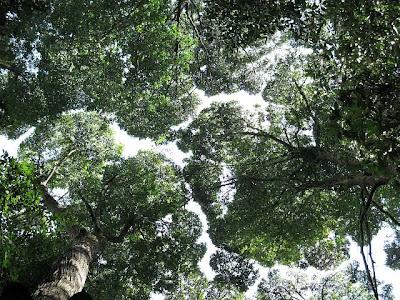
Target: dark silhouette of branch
<point>124,231</point>
<point>363,219</point>
<point>381,209</point>
<point>177,18</point>
<point>142,233</point>
<point>104,189</point>
<point>367,205</point>
<point>261,133</point>
<point>369,238</point>
<point>228,182</point>
<point>317,126</point>
<point>178,11</point>
<point>287,136</point>
<point>95,221</point>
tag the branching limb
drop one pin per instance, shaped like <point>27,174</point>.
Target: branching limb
<point>197,32</point>
<point>382,210</point>
<point>267,135</point>
<point>142,233</point>
<point>57,166</point>
<point>326,281</point>
<point>50,202</point>
<point>95,221</point>
<point>367,205</point>
<point>287,136</point>
<point>303,96</point>
<point>56,208</point>
<point>228,182</point>
<point>178,11</point>
<point>313,114</point>
<point>103,191</point>
<point>125,230</point>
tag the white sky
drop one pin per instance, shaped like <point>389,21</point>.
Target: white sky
<point>133,145</point>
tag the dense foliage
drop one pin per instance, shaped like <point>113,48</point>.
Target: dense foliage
<point>117,57</point>
<point>135,205</point>
<point>319,162</point>
<point>349,283</point>
<point>287,183</point>
<point>27,247</point>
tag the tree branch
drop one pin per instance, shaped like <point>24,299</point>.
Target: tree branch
<point>197,32</point>
<point>348,181</point>
<point>363,219</point>
<point>104,189</point>
<point>287,136</point>
<point>303,95</point>
<point>55,168</point>
<point>95,221</point>
<point>56,208</point>
<point>11,68</point>
<point>369,238</point>
<point>268,135</point>
<point>51,204</point>
<point>125,230</point>
<point>231,181</point>
<point>142,233</point>
<point>381,209</point>
<point>178,12</point>
<point>367,205</point>
<point>316,129</point>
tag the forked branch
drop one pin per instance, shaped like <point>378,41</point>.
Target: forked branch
<point>95,220</point>
<point>103,191</point>
<point>125,230</point>
<point>57,166</point>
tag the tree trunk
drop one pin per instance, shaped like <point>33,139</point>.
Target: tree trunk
<point>71,272</point>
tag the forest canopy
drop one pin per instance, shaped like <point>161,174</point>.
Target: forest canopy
<point>287,183</point>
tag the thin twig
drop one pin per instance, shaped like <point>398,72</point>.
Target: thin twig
<point>312,114</point>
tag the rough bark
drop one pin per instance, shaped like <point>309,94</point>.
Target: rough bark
<point>70,275</point>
